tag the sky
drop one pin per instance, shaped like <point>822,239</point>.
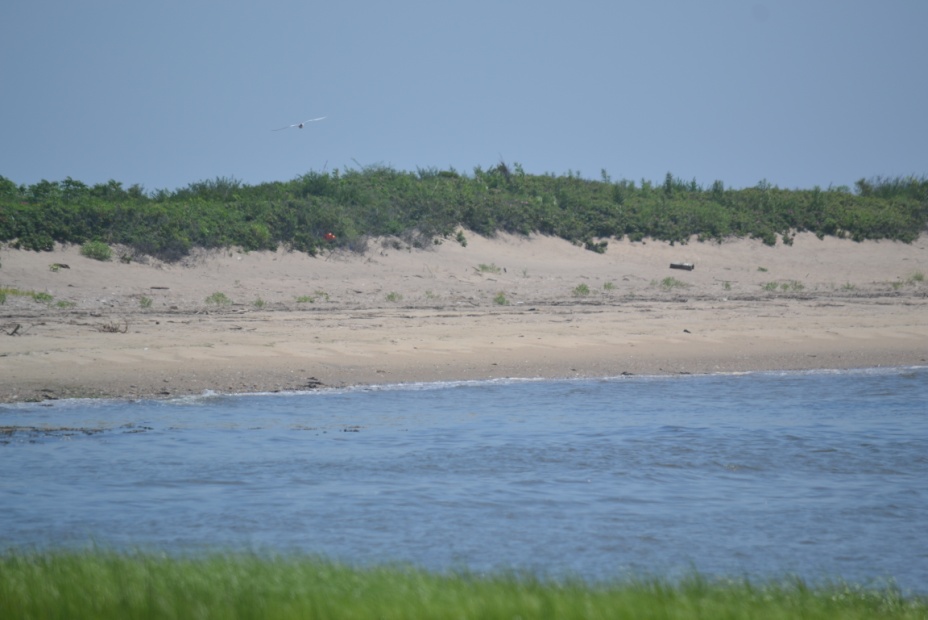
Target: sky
<point>797,93</point>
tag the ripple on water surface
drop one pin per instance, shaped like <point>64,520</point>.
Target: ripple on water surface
<point>819,474</point>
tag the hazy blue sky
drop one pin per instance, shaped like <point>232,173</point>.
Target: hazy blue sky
<point>163,94</point>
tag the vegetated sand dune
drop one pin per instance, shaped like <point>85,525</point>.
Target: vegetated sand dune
<point>510,306</point>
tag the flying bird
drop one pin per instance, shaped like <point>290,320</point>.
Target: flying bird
<point>299,125</point>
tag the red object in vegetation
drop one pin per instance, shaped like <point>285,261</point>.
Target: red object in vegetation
<point>329,237</point>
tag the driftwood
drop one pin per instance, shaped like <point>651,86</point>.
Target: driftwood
<point>684,266</point>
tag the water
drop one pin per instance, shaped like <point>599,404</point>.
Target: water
<point>822,475</point>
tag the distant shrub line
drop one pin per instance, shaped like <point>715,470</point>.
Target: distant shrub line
<point>429,205</point>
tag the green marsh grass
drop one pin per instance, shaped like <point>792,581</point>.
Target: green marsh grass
<point>104,585</point>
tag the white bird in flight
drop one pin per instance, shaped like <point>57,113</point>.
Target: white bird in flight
<point>299,125</point>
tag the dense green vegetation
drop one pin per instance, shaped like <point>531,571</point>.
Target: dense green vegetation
<point>430,205</point>
<point>104,585</point>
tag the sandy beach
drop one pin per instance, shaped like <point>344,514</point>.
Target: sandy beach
<point>231,321</point>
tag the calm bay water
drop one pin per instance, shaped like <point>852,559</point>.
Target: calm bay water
<point>824,475</point>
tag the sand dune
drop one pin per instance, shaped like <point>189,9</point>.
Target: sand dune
<point>504,307</point>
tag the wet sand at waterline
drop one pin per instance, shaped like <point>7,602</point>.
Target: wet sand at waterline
<point>504,307</point>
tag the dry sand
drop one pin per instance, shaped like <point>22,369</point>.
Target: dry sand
<point>395,314</point>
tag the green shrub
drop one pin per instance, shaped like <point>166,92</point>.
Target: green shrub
<point>426,206</point>
<point>97,250</point>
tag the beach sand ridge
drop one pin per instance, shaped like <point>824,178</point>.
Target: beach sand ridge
<point>510,306</point>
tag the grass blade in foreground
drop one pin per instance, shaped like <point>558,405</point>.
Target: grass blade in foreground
<point>100,584</point>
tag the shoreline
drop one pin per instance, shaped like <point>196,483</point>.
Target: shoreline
<point>508,307</point>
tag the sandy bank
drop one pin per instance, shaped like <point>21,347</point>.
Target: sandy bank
<point>504,307</point>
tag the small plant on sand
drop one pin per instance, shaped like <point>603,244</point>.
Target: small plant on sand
<point>97,250</point>
<point>259,303</point>
<point>42,298</point>
<point>581,290</point>
<point>311,299</point>
<point>792,285</point>
<point>65,304</point>
<point>608,286</point>
<point>145,302</point>
<point>913,280</point>
<point>491,268</point>
<point>218,299</point>
<point>762,269</point>
<point>726,285</point>
<point>394,297</point>
<point>670,283</point>
<point>4,291</point>
<point>789,286</point>
<point>461,239</point>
